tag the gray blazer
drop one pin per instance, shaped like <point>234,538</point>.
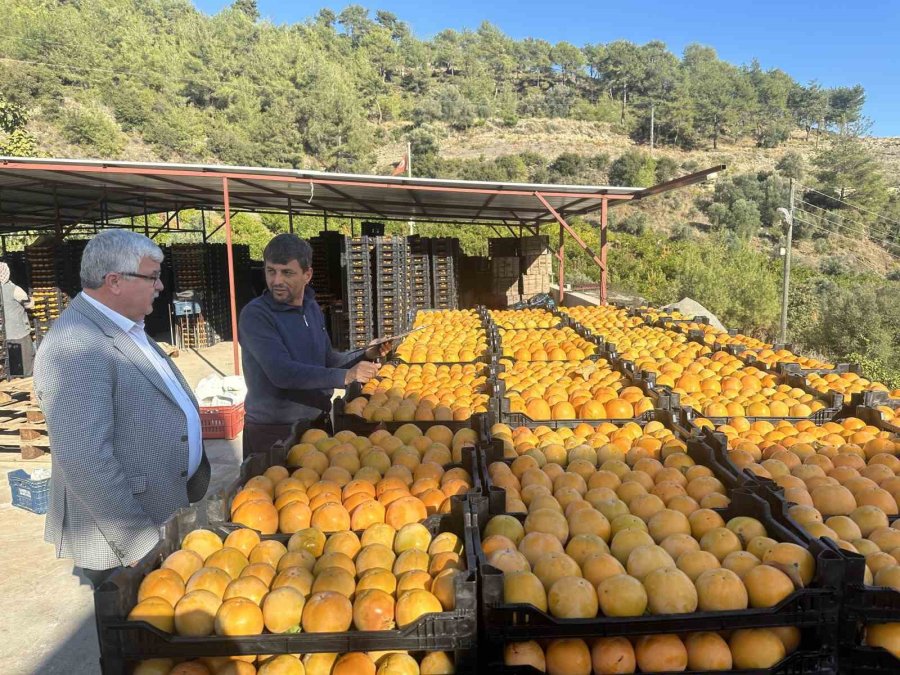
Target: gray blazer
<point>118,441</point>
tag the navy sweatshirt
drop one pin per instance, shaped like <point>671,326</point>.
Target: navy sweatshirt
<point>289,365</point>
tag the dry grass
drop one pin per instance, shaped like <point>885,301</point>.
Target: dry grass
<point>552,137</point>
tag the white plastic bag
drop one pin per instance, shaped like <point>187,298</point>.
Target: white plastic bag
<point>214,390</point>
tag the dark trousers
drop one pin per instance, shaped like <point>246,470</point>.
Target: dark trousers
<point>261,437</point>
<point>26,345</point>
<point>95,577</point>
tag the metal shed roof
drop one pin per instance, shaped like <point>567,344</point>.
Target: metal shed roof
<point>37,193</point>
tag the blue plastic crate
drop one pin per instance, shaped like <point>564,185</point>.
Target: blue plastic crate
<point>28,494</point>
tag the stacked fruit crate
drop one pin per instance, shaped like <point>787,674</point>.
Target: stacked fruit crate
<point>326,264</point>
<point>768,603</point>
<point>68,266</point>
<point>358,291</point>
<point>216,289</point>
<point>444,268</point>
<point>419,275</point>
<point>409,603</point>
<point>505,281</point>
<point>49,300</point>
<point>189,267</point>
<point>535,265</point>
<point>216,302</point>
<point>390,263</point>
<point>506,269</point>
<point>474,280</point>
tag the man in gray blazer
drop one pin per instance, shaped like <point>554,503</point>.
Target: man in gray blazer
<point>125,437</point>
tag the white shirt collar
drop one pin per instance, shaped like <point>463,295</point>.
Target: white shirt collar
<point>120,320</point>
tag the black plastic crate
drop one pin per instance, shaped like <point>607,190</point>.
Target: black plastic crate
<point>218,507</point>
<point>503,247</point>
<point>676,421</point>
<point>810,659</point>
<point>813,606</point>
<point>718,451</point>
<point>517,419</point>
<point>819,417</point>
<point>358,425</point>
<point>492,450</point>
<point>787,368</point>
<point>862,660</point>
<point>871,399</point>
<point>122,641</point>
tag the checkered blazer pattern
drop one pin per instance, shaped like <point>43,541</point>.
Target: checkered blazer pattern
<point>118,441</point>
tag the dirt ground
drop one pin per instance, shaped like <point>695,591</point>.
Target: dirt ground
<point>46,615</point>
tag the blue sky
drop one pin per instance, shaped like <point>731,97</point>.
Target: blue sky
<point>833,42</point>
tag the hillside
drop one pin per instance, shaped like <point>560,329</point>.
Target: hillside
<point>159,80</point>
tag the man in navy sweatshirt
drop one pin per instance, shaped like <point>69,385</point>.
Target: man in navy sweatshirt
<point>290,367</point>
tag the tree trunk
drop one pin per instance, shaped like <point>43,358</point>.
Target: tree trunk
<point>624,100</point>
<point>715,132</point>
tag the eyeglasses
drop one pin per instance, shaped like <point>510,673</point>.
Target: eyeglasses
<point>149,277</point>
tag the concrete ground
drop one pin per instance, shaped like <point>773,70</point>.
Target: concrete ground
<point>46,614</point>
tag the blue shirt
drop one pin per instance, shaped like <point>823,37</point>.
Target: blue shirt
<point>290,368</point>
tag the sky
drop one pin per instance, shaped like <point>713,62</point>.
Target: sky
<point>832,42</point>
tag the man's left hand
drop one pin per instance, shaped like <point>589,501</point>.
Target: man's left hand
<point>377,351</point>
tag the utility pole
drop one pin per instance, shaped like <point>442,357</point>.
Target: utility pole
<point>788,217</point>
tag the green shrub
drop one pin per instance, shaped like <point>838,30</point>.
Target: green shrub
<point>91,127</point>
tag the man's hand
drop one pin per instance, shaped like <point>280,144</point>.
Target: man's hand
<point>377,351</point>
<point>362,372</point>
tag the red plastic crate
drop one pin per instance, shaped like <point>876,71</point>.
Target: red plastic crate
<point>222,421</point>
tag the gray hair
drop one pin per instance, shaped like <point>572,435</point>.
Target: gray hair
<point>115,251</point>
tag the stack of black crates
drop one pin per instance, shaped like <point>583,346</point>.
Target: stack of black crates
<point>357,294</point>
<point>45,258</point>
<point>327,280</point>
<point>419,275</point>
<point>390,264</point>
<point>444,272</point>
<point>386,280</point>
<point>326,264</point>
<point>216,286</point>
<point>189,270</point>
<point>203,268</point>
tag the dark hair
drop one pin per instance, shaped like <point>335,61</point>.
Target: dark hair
<point>286,247</point>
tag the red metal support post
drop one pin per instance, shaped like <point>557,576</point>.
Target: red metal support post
<point>603,245</point>
<point>231,293</point>
<point>563,225</point>
<point>561,261</point>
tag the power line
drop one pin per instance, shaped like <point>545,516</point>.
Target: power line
<point>841,218</point>
<point>839,234</point>
<point>862,260</point>
<point>839,225</point>
<point>842,222</point>
<point>852,206</point>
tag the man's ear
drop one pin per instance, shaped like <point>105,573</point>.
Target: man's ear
<point>111,283</point>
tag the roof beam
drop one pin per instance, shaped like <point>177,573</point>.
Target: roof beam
<point>683,181</point>
<point>361,203</point>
